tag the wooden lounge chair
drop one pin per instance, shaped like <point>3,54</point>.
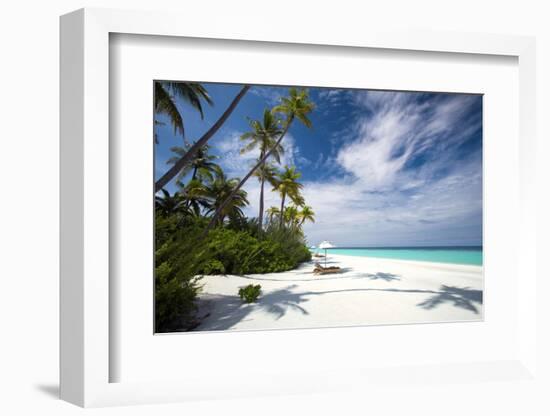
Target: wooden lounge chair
<point>326,270</point>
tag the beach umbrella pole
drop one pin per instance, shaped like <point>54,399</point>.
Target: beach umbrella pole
<point>325,245</point>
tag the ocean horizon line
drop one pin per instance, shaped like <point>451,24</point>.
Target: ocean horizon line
<point>440,254</point>
<point>447,247</point>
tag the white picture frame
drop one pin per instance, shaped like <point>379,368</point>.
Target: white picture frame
<point>85,264</point>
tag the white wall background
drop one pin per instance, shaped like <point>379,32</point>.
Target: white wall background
<point>29,56</point>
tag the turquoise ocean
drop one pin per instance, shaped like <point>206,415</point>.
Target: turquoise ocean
<point>455,255</point>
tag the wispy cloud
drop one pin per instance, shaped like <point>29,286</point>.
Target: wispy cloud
<point>329,100</point>
<point>405,174</point>
<point>436,213</point>
<point>238,164</point>
<point>271,95</point>
<point>400,130</point>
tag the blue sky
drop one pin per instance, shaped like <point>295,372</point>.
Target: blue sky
<point>379,168</point>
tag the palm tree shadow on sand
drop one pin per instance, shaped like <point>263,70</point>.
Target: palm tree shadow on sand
<point>228,310</point>
<point>388,277</point>
<point>465,298</point>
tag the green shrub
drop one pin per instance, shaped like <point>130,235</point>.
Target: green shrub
<point>250,293</point>
<point>165,227</point>
<point>182,257</point>
<point>177,263</point>
<point>174,299</point>
<point>213,266</point>
<point>241,253</point>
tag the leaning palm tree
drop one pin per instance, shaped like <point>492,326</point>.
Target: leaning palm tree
<point>288,185</point>
<point>219,191</point>
<point>166,93</point>
<point>295,106</point>
<point>263,135</point>
<point>306,214</point>
<point>202,164</point>
<point>188,157</point>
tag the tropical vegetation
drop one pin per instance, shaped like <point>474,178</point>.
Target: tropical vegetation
<point>250,293</point>
<point>201,228</point>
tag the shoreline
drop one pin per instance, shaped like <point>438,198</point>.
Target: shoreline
<point>367,291</point>
<point>405,260</point>
<point>425,263</point>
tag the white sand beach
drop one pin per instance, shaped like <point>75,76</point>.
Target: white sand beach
<point>368,291</point>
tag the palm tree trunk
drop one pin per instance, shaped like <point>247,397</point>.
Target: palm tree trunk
<point>186,158</point>
<point>188,202</point>
<point>243,181</point>
<point>262,180</point>
<point>281,215</point>
<point>261,213</point>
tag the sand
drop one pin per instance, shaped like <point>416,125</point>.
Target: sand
<point>368,291</point>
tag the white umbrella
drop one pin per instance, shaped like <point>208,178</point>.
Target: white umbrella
<point>326,245</point>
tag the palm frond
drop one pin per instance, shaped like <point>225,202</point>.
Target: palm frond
<point>190,92</point>
<point>164,104</point>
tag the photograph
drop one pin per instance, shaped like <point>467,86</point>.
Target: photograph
<point>296,207</point>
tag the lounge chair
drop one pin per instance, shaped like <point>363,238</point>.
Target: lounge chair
<point>326,270</point>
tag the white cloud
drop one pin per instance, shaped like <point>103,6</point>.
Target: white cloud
<point>239,164</point>
<point>272,95</point>
<point>399,130</point>
<point>231,159</point>
<point>382,203</point>
<point>348,214</point>
<point>331,94</point>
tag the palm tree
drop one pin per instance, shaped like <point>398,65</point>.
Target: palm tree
<point>221,190</point>
<point>186,159</point>
<point>167,91</point>
<point>288,185</point>
<point>291,216</point>
<point>266,172</point>
<point>201,164</point>
<point>263,135</point>
<point>295,106</point>
<point>169,204</point>
<point>195,196</point>
<point>273,212</point>
<point>306,214</point>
